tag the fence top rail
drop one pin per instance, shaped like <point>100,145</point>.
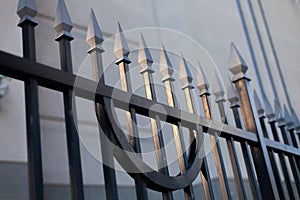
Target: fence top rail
<point>49,77</point>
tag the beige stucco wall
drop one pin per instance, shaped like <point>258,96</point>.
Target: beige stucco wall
<point>213,24</point>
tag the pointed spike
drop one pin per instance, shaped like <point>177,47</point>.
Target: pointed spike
<point>144,57</point>
<point>295,120</point>
<point>202,83</point>
<point>259,106</point>
<point>166,68</point>
<point>63,24</point>
<point>94,35</point>
<point>269,111</point>
<point>121,49</point>
<point>232,95</point>
<point>236,58</point>
<point>237,64</point>
<point>288,119</point>
<point>218,88</point>
<point>278,114</point>
<point>185,74</point>
<point>27,11</point>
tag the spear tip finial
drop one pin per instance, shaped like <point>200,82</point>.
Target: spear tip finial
<point>237,64</point>
<point>295,120</point>
<point>62,24</point>
<point>202,83</point>
<point>287,118</point>
<point>121,49</point>
<point>232,95</point>
<point>27,10</point>
<point>278,113</point>
<point>144,57</point>
<point>259,106</point>
<point>218,88</point>
<point>94,35</point>
<point>166,67</point>
<point>185,74</point>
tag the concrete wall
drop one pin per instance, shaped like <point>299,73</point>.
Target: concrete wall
<point>213,24</point>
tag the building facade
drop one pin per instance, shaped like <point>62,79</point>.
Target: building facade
<point>265,32</point>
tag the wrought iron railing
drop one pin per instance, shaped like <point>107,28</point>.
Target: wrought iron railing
<point>250,130</point>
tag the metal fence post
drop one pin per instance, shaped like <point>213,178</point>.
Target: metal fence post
<point>121,52</point>
<point>290,126</point>
<point>282,125</point>
<point>27,11</point>
<point>235,105</point>
<point>94,38</point>
<point>297,123</point>
<point>275,165</point>
<point>281,155</point>
<point>186,79</point>
<point>219,93</point>
<point>177,129</point>
<point>202,85</point>
<point>145,61</point>
<point>63,26</point>
<point>260,155</point>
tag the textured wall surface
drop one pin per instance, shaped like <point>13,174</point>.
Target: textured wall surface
<point>214,24</point>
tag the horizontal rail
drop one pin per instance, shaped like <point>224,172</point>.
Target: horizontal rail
<point>279,147</point>
<point>49,77</point>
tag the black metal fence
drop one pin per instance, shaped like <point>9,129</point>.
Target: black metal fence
<point>250,132</point>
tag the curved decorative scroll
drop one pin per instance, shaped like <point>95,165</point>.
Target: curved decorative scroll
<point>130,161</point>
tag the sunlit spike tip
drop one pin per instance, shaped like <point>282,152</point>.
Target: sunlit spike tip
<point>62,24</point>
<point>218,89</point>
<point>185,74</point>
<point>232,95</point>
<point>166,68</point>
<point>27,11</point>
<point>237,64</point>
<point>295,120</point>
<point>202,83</point>
<point>278,113</point>
<point>287,118</point>
<point>144,57</point>
<point>269,112</point>
<point>259,106</point>
<point>121,49</point>
<point>94,35</point>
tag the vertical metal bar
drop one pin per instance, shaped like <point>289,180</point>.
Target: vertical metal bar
<point>283,164</point>
<point>186,78</point>
<point>157,131</point>
<point>140,184</point>
<point>219,93</point>
<point>205,176</point>
<point>94,39</point>
<point>283,125</point>
<point>260,155</point>
<point>156,127</point>
<point>247,155</point>
<point>274,164</point>
<point>217,152</point>
<point>202,85</point>
<point>293,137</point>
<point>63,26</point>
<point>122,51</point>
<point>233,157</point>
<point>71,120</point>
<point>251,122</point>
<point>178,136</point>
<point>294,163</point>
<point>33,135</point>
